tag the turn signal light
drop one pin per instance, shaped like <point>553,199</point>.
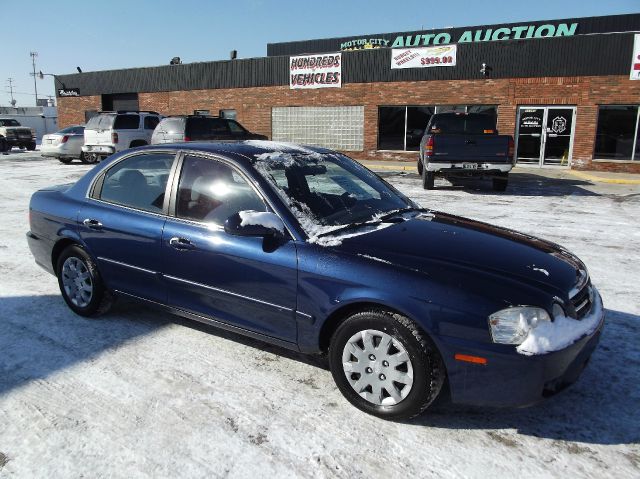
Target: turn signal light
<point>65,138</point>
<point>470,359</point>
<point>428,147</point>
<point>114,137</point>
<point>186,138</point>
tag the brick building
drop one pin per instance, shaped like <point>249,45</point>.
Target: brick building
<point>565,89</point>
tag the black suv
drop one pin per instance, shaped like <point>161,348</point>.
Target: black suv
<point>175,129</point>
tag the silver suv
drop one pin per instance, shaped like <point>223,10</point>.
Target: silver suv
<point>110,132</point>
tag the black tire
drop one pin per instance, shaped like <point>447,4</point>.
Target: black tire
<point>135,143</point>
<point>66,161</point>
<point>31,146</point>
<point>500,182</point>
<point>100,299</point>
<point>428,368</point>
<point>420,167</point>
<point>89,158</point>
<point>428,179</point>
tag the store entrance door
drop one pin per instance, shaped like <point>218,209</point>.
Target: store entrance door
<point>545,135</point>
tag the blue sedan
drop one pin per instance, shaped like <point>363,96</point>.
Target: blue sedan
<point>307,249</point>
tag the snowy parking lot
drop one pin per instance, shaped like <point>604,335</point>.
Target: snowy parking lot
<point>138,393</point>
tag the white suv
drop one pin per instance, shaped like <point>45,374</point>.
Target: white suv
<point>110,132</point>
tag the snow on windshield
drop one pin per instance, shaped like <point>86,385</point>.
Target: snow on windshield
<point>326,192</point>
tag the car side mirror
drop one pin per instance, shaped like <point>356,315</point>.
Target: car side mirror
<point>255,223</point>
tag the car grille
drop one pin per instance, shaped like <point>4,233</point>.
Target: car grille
<point>583,300</point>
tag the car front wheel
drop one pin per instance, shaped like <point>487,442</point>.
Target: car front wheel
<point>384,365</point>
<point>80,283</point>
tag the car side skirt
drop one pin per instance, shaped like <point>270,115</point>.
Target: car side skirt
<point>214,322</point>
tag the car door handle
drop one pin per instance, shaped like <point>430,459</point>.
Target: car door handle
<point>93,224</point>
<point>181,243</point>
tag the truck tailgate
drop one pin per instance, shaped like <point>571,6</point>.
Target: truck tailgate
<point>471,148</point>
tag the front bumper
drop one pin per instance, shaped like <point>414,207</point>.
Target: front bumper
<point>99,149</point>
<point>510,379</point>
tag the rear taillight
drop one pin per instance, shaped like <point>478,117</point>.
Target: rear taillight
<point>65,138</point>
<point>114,138</point>
<point>428,147</point>
<point>511,148</point>
<point>186,138</point>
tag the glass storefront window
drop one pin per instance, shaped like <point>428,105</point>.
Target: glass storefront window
<point>617,133</point>
<point>391,120</point>
<point>401,128</point>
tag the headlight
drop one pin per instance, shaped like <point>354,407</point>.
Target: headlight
<point>511,325</point>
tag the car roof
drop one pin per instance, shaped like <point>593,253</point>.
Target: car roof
<point>248,148</point>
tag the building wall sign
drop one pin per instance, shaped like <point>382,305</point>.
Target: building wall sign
<point>364,44</point>
<point>519,32</point>
<point>425,57</point>
<point>68,92</point>
<point>315,71</point>
<point>635,61</point>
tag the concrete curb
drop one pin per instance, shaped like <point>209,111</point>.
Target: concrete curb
<point>600,179</point>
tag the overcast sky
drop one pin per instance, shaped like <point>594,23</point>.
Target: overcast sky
<point>103,35</point>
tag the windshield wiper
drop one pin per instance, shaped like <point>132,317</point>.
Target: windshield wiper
<point>350,226</point>
<point>401,211</point>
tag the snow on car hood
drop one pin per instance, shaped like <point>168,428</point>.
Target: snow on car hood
<point>456,240</point>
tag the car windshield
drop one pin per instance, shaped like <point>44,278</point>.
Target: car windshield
<point>463,124</point>
<point>328,190</point>
<point>8,122</point>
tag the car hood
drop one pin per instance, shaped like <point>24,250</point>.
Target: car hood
<point>439,238</point>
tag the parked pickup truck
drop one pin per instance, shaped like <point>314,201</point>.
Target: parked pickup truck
<point>465,144</point>
<point>13,134</point>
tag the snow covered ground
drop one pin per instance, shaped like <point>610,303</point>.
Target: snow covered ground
<point>144,394</point>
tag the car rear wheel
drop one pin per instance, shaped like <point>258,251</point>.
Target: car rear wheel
<point>428,179</point>
<point>31,146</point>
<point>384,365</point>
<point>4,146</point>
<point>80,283</point>
<point>420,166</point>
<point>89,158</point>
<point>66,161</point>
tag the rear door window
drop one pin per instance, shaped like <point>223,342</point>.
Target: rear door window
<point>150,122</point>
<point>138,182</point>
<point>127,122</point>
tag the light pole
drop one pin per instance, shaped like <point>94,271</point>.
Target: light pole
<point>35,85</point>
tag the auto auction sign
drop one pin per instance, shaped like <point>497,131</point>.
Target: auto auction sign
<point>425,57</point>
<point>315,71</point>
<point>635,61</point>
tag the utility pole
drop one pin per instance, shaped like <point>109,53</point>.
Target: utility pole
<point>10,85</point>
<point>35,84</point>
